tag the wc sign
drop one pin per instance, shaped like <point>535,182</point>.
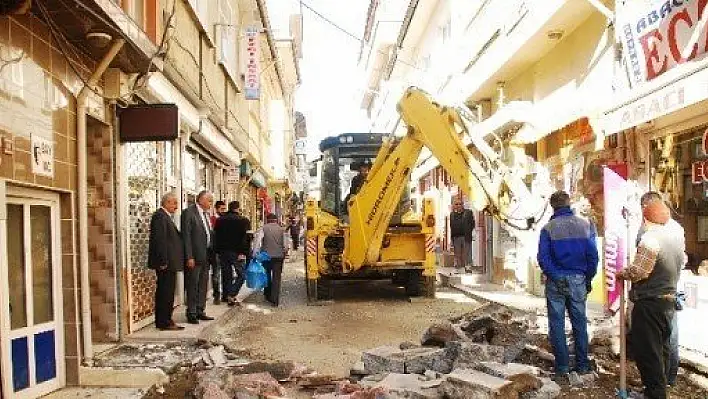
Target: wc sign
<point>699,169</point>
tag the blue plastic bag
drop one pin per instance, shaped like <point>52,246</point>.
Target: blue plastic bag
<point>256,277</point>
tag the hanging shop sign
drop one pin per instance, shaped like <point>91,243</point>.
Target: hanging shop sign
<point>253,79</point>
<point>148,122</point>
<point>300,147</point>
<point>42,156</point>
<point>615,243</point>
<point>659,35</point>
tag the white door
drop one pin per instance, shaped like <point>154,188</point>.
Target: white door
<point>31,323</point>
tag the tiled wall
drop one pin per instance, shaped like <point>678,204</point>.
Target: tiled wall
<point>101,249</point>
<point>37,90</point>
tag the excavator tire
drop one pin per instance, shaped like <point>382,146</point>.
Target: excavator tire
<point>323,289</point>
<point>419,285</point>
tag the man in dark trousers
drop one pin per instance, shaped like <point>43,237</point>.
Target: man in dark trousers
<point>198,239</point>
<point>461,228</point>
<point>166,257</point>
<point>654,275</point>
<point>216,278</point>
<point>232,245</point>
<point>567,254</point>
<point>272,239</point>
<point>294,228</point>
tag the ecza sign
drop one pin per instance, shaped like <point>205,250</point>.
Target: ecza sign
<point>658,35</point>
<point>42,156</point>
<point>699,169</point>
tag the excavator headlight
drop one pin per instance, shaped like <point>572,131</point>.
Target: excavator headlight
<point>310,223</point>
<point>430,221</point>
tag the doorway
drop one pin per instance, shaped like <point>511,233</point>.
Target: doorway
<point>31,320</point>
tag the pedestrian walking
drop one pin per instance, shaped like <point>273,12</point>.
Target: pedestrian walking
<point>568,256</point>
<point>674,359</point>
<point>217,288</point>
<point>294,229</point>
<point>462,226</point>
<point>166,257</point>
<point>654,275</point>
<point>232,245</point>
<point>197,236</point>
<point>272,238</point>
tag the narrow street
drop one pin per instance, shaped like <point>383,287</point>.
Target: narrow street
<point>330,337</point>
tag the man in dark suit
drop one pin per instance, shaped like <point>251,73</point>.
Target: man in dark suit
<point>166,257</point>
<point>197,235</point>
<point>232,245</point>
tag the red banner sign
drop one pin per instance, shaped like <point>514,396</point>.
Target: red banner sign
<point>659,35</point>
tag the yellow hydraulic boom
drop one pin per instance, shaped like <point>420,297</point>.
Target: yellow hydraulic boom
<point>490,185</point>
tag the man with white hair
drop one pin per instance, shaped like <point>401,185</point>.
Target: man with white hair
<point>166,257</point>
<point>198,238</point>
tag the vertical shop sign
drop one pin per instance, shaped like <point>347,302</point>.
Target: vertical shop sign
<point>615,243</point>
<point>253,79</point>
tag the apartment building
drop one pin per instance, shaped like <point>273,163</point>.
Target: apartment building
<point>80,192</point>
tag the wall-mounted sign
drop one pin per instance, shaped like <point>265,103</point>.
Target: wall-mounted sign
<point>300,147</point>
<point>233,173</point>
<point>42,156</point>
<point>699,171</point>
<point>657,36</point>
<point>148,122</point>
<point>252,76</point>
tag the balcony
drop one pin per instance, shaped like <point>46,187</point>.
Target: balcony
<point>74,19</point>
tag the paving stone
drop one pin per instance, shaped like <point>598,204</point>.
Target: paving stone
<point>409,386</point>
<point>470,354</point>
<point>506,370</point>
<point>549,390</point>
<point>418,360</point>
<point>384,359</point>
<point>217,355</point>
<point>473,384</point>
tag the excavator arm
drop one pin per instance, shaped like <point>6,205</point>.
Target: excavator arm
<point>489,184</point>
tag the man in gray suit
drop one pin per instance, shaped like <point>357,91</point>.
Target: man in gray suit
<point>197,235</point>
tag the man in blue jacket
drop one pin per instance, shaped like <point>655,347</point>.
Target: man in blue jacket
<point>567,254</point>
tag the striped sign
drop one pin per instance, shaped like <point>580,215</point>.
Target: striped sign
<point>430,244</point>
<point>312,246</point>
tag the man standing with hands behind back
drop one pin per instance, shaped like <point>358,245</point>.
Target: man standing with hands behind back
<point>166,257</point>
<point>461,228</point>
<point>197,235</point>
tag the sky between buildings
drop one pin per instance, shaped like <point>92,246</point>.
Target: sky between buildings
<point>331,90</point>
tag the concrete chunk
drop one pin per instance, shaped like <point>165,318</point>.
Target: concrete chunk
<point>384,359</point>
<point>549,390</point>
<point>409,386</point>
<point>472,384</point>
<point>418,360</point>
<point>469,354</point>
<point>506,370</point>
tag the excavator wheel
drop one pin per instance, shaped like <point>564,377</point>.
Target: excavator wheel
<point>419,285</point>
<point>323,289</point>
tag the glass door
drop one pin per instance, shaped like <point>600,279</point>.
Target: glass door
<point>31,333</point>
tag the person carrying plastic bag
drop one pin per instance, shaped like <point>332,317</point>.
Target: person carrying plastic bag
<point>272,241</point>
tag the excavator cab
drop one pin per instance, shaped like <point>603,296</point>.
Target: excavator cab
<point>342,157</point>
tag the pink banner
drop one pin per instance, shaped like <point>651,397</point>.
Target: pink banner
<point>615,242</point>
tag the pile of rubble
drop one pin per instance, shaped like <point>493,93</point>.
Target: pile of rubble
<point>472,356</point>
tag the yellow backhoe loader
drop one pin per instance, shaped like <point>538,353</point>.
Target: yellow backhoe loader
<point>371,233</point>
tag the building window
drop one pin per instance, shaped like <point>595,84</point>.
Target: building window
<point>228,39</point>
